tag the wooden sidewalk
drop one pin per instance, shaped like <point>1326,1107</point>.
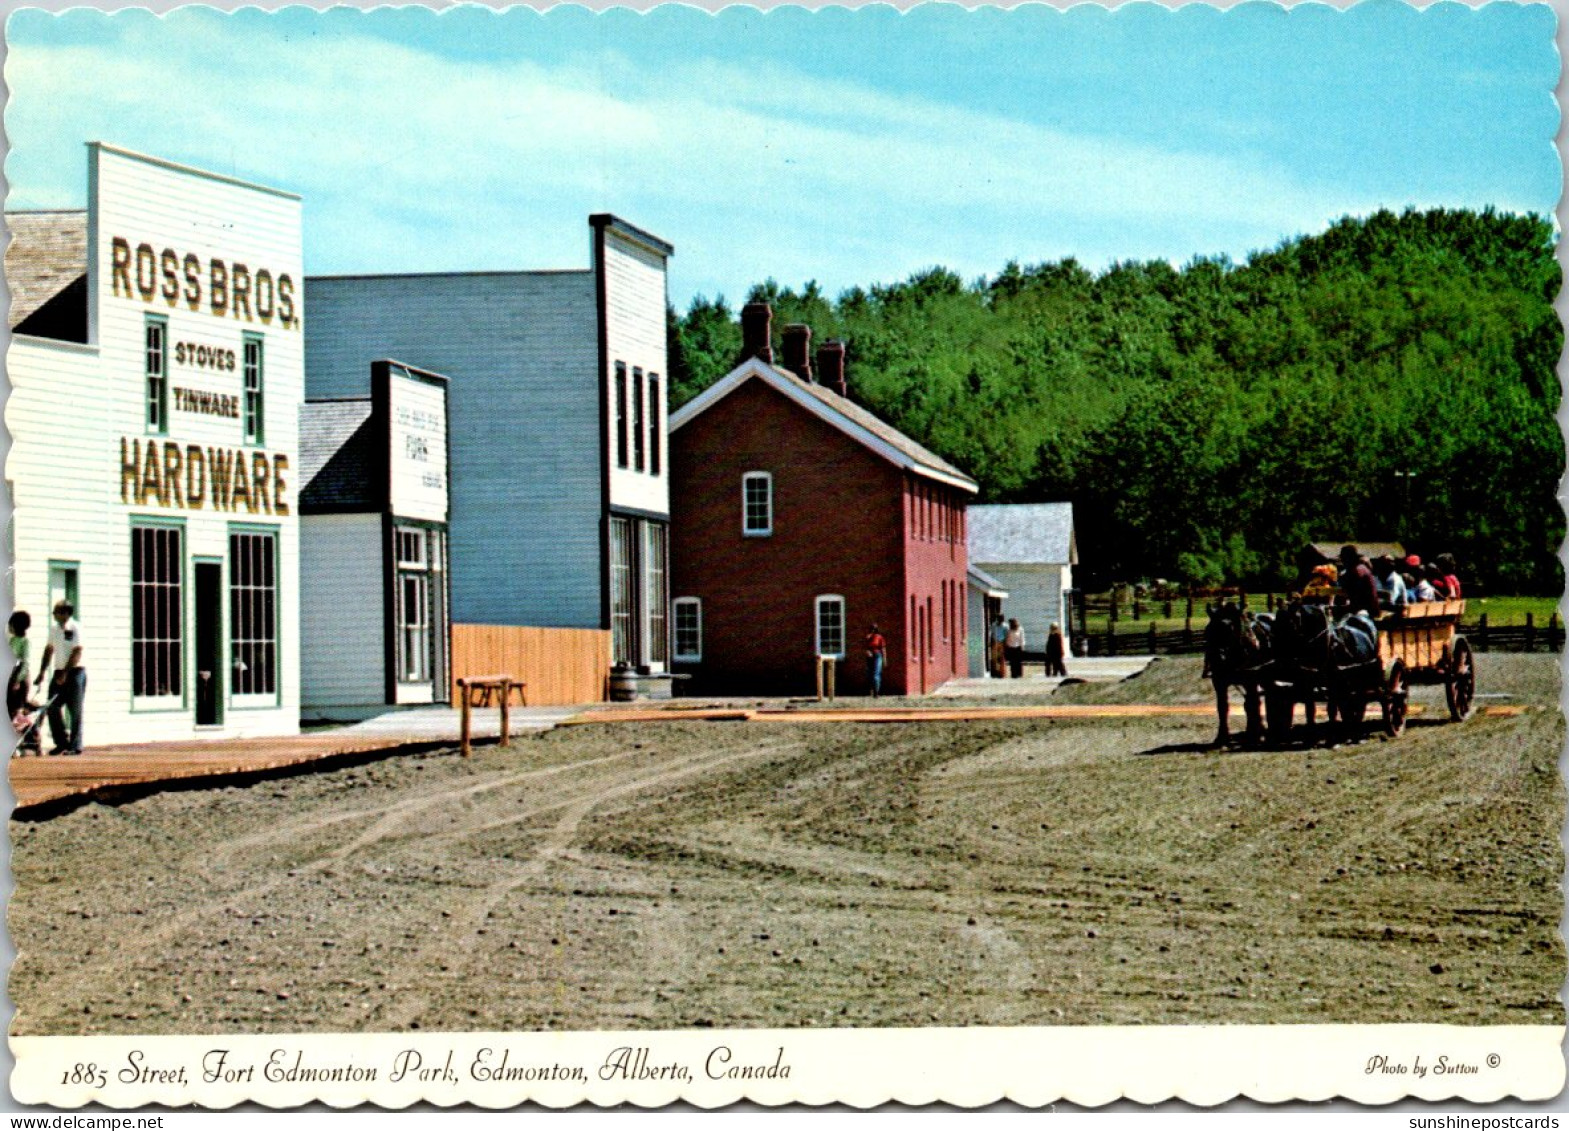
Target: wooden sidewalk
<point>43,782</point>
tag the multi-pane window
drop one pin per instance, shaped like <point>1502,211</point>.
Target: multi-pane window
<point>621,415</point>
<point>253,612</point>
<point>157,370</point>
<point>157,623</point>
<point>657,593</point>
<point>414,609</point>
<point>623,640</point>
<point>830,627</point>
<point>655,429</point>
<point>639,425</point>
<point>254,391</point>
<point>688,613</point>
<point>757,503</point>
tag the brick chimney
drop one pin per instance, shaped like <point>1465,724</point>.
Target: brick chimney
<point>757,320</point>
<point>830,366</point>
<point>797,350</point>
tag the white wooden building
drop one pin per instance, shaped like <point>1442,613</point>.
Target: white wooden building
<point>1029,550</point>
<point>374,626</point>
<point>156,371</point>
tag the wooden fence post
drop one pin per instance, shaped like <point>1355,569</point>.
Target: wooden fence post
<point>1111,641</point>
<point>1481,633</point>
<point>1168,608</point>
<point>463,692</point>
<point>1152,638</point>
<point>1530,632</point>
<point>506,712</point>
<point>1189,617</point>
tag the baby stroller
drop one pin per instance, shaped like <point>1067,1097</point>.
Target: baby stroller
<point>28,718</point>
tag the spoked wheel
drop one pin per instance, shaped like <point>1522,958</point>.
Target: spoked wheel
<point>1460,681</point>
<point>1396,696</point>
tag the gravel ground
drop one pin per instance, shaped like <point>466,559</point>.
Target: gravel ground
<point>690,874</point>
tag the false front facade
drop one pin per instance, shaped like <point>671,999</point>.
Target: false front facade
<point>156,370</point>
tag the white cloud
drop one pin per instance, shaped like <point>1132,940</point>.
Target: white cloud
<point>410,160</point>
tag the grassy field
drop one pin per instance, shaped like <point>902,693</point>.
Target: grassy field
<point>1501,612</point>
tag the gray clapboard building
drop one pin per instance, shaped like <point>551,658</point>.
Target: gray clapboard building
<point>557,402</point>
<point>1029,550</point>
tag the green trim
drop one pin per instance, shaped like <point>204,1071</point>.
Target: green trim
<point>73,594</point>
<point>163,522</point>
<point>276,531</point>
<point>259,437</point>
<point>162,429</point>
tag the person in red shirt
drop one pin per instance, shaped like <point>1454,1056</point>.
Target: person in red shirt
<point>1446,568</point>
<point>876,657</point>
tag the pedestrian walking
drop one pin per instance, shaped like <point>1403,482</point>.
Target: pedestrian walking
<point>17,701</point>
<point>876,659</point>
<point>994,644</point>
<point>63,663</point>
<point>1013,649</point>
<point>1055,652</point>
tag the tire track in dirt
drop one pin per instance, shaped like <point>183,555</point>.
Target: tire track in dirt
<point>447,942</point>
<point>129,949</point>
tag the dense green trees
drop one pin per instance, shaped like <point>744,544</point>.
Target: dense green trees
<point>1392,377</point>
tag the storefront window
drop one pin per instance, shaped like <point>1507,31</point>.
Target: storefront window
<point>253,612</point>
<point>657,593</point>
<point>157,621</point>
<point>414,620</point>
<point>623,642</point>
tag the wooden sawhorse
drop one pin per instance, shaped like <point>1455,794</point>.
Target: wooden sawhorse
<point>481,691</point>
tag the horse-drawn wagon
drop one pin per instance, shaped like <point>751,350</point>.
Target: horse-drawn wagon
<point>1315,658</point>
<point>1304,655</point>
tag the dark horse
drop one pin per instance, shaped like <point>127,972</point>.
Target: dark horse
<point>1237,650</point>
<point>1315,654</point>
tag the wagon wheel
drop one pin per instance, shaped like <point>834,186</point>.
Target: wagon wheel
<point>1395,699</point>
<point>1460,681</point>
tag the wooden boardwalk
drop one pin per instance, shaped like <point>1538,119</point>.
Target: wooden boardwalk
<point>43,781</point>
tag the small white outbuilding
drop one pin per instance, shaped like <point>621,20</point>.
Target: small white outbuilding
<point>1030,550</point>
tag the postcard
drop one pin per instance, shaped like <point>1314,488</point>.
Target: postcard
<point>802,556</point>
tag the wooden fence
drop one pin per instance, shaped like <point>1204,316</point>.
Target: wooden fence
<point>559,665</point>
<point>1483,637</point>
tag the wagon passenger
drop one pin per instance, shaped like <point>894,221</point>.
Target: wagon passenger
<point>1357,583</point>
<point>1391,586</point>
<point>1451,583</point>
<point>1421,588</point>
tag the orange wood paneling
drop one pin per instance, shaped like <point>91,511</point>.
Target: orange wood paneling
<point>560,665</point>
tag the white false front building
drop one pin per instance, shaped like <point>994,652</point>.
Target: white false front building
<point>157,372</point>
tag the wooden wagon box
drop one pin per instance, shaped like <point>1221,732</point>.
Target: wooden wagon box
<point>1419,633</point>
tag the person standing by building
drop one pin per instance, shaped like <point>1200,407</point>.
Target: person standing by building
<point>995,641</point>
<point>1013,649</point>
<point>1055,653</point>
<point>876,658</point>
<point>21,668</point>
<point>62,661</point>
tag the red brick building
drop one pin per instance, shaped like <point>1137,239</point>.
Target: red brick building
<point>799,519</point>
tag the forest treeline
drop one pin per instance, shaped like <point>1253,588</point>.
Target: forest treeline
<point>1391,378</point>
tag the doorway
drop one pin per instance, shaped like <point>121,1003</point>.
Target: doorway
<point>209,643</point>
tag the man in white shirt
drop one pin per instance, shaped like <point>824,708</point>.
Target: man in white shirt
<point>62,662</point>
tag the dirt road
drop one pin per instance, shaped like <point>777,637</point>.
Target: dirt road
<point>754,874</point>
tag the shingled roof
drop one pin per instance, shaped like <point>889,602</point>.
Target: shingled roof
<point>1021,534</point>
<point>841,412</point>
<point>337,458</point>
<point>46,269</point>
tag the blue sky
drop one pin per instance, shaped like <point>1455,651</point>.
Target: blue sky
<point>846,146</point>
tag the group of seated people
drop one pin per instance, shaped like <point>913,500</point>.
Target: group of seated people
<point>1384,584</point>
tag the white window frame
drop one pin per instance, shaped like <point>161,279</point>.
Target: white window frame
<point>767,478</point>
<point>676,608</point>
<point>844,621</point>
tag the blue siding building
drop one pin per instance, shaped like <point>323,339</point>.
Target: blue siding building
<point>557,413</point>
